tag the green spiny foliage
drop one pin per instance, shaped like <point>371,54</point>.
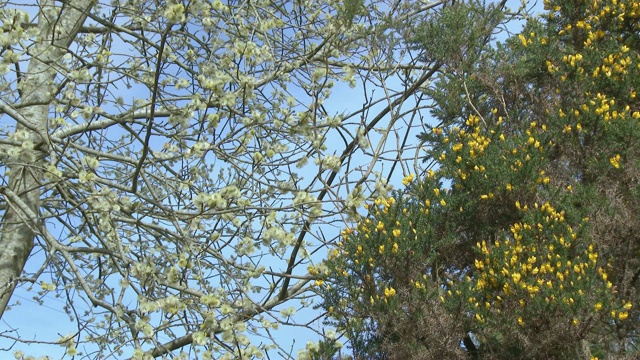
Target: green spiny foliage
<point>523,242</point>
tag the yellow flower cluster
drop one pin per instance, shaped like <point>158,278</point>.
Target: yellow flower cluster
<point>408,179</point>
<point>615,161</point>
<point>476,141</point>
<point>374,242</point>
<point>534,264</point>
<point>603,62</point>
<point>526,41</point>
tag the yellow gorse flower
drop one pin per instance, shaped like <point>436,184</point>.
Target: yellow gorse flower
<point>408,179</point>
<point>389,292</point>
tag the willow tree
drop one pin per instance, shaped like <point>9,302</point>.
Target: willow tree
<point>166,168</point>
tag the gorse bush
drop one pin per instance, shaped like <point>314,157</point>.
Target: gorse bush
<point>522,240</point>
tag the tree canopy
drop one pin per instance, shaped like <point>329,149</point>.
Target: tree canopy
<point>521,240</point>
<point>171,169</point>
